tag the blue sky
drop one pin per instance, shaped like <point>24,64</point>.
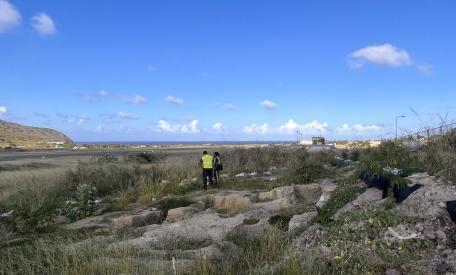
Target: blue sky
<point>227,70</point>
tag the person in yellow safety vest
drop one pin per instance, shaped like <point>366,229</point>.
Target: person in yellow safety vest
<point>218,166</point>
<point>207,166</point>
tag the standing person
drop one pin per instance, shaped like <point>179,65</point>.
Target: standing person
<point>217,163</point>
<point>207,166</point>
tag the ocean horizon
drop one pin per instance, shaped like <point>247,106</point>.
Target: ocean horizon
<point>160,143</point>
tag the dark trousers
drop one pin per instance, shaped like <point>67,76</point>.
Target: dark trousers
<point>207,173</point>
<point>216,175</point>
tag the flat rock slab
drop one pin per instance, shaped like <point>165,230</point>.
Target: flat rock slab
<point>181,213</point>
<point>202,227</point>
<point>370,197</point>
<point>137,218</point>
<point>300,222</point>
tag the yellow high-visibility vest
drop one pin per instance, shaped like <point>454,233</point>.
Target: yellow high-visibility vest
<point>207,161</point>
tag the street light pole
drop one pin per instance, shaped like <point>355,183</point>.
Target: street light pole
<point>397,117</point>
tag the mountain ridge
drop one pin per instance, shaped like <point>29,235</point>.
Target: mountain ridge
<point>15,135</point>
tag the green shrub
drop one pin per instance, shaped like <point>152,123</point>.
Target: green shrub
<point>390,154</point>
<point>84,205</point>
<point>34,208</point>
<point>305,167</point>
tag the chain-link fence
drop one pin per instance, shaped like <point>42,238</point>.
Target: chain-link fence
<point>425,136</point>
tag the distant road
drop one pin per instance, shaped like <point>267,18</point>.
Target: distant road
<point>39,154</point>
<point>50,154</point>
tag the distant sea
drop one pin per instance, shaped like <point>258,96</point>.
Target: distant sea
<point>159,143</point>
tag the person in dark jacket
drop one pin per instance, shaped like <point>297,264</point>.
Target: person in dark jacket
<point>218,166</point>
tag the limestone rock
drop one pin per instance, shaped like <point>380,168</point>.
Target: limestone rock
<point>370,197</point>
<point>180,213</point>
<point>299,222</point>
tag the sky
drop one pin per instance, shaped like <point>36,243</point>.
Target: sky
<point>180,70</point>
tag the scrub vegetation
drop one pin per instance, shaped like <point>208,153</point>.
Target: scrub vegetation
<point>33,242</point>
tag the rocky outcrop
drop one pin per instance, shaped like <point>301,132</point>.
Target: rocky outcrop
<point>301,222</point>
<point>370,197</point>
<point>430,200</point>
<point>327,188</point>
<point>115,220</point>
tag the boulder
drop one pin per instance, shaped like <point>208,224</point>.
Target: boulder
<point>430,200</point>
<point>327,188</point>
<point>181,213</point>
<point>250,230</point>
<point>232,200</point>
<point>370,197</point>
<point>140,219</point>
<point>300,222</point>
<point>286,192</point>
<point>205,226</point>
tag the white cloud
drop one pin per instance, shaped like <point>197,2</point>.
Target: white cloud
<point>257,129</point>
<point>103,93</point>
<point>230,107</point>
<point>9,16</point>
<point>425,68</point>
<point>165,126</point>
<point>3,110</point>
<point>346,129</point>
<point>385,55</point>
<point>174,100</point>
<point>288,128</point>
<point>218,127</point>
<point>43,24</point>
<point>313,127</point>
<point>268,105</point>
<point>125,115</point>
<point>137,100</point>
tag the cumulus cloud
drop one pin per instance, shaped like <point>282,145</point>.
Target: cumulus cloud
<point>9,16</point>
<point>3,110</point>
<point>137,100</point>
<point>166,126</point>
<point>268,105</point>
<point>288,128</point>
<point>346,129</point>
<point>218,127</point>
<point>384,55</point>
<point>313,127</point>
<point>43,24</point>
<point>230,107</point>
<point>125,115</point>
<point>174,100</point>
<point>257,129</point>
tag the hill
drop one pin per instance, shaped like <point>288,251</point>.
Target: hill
<point>20,136</point>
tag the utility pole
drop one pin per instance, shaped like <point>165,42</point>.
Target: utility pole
<point>397,117</point>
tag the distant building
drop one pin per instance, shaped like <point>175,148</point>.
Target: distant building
<point>318,140</point>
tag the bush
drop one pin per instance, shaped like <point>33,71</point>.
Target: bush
<point>390,154</point>
<point>254,159</point>
<point>34,209</point>
<point>306,167</point>
<point>84,205</point>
